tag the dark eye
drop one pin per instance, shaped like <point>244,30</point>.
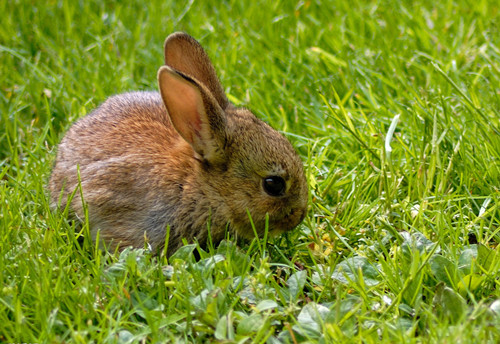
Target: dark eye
<point>274,185</point>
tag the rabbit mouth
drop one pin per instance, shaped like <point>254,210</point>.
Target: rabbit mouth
<point>276,225</point>
<point>288,221</point>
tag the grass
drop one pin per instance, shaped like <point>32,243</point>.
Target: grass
<point>400,245</point>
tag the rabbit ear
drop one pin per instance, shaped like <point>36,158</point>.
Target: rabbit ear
<point>185,54</point>
<point>194,113</point>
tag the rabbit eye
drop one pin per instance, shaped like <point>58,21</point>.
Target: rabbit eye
<point>274,186</point>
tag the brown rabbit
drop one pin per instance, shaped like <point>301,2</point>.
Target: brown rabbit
<point>184,159</point>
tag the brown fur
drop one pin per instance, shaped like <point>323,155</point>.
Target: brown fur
<point>184,158</point>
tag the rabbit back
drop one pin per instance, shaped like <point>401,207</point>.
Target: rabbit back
<point>132,169</point>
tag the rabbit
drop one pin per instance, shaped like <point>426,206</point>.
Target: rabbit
<point>184,160</point>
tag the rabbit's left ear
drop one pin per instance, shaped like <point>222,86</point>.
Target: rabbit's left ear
<point>194,113</point>
<point>185,54</point>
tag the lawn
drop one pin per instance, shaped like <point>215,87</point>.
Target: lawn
<point>394,107</point>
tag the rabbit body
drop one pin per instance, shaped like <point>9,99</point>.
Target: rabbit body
<point>184,159</point>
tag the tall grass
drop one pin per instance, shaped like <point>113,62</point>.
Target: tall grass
<point>400,244</point>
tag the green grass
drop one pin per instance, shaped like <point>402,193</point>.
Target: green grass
<point>398,246</point>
